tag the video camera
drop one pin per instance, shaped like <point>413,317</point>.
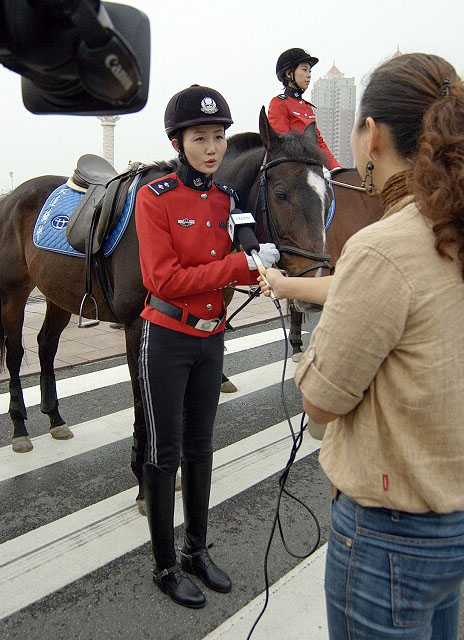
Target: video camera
<point>83,57</point>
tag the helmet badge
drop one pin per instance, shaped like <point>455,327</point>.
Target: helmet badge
<point>208,106</point>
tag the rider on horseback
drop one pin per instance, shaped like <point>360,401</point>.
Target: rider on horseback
<point>289,111</point>
<point>186,261</point>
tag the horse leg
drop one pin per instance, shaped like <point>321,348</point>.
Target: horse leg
<point>12,319</point>
<point>56,320</point>
<point>296,319</point>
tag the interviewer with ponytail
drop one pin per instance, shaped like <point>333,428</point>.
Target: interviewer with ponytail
<point>385,367</point>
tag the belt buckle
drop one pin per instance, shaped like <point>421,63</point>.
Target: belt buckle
<point>207,325</point>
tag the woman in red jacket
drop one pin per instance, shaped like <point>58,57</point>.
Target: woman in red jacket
<point>185,260</point>
<point>289,110</point>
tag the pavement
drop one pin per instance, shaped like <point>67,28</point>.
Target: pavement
<point>288,614</point>
<point>80,346</point>
<point>296,609</point>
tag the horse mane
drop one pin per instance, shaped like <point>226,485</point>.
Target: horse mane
<point>165,166</point>
<point>242,142</point>
<point>244,156</point>
<point>295,144</point>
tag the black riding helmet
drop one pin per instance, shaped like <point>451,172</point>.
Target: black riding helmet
<point>196,105</point>
<point>291,58</point>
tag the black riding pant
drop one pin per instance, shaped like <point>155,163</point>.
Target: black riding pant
<point>180,379</point>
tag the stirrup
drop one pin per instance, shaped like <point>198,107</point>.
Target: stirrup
<point>88,323</point>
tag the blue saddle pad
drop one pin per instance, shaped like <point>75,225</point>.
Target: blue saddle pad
<point>50,227</point>
<point>331,212</point>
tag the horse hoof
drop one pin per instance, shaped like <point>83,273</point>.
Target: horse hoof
<point>141,507</point>
<point>21,444</point>
<point>178,482</point>
<point>296,357</point>
<point>63,432</point>
<point>228,387</point>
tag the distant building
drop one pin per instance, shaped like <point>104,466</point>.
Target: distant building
<point>335,99</point>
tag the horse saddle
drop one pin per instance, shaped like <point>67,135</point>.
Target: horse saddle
<point>98,211</point>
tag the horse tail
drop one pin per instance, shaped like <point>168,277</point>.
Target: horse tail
<point>2,342</point>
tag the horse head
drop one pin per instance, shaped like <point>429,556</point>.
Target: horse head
<point>294,199</point>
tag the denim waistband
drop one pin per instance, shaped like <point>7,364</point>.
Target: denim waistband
<point>395,522</point>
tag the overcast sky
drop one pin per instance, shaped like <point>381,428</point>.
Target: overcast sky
<point>231,45</point>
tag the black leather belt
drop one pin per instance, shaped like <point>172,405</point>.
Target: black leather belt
<point>176,312</point>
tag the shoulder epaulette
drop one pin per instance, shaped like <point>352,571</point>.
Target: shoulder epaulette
<point>226,189</point>
<point>282,96</point>
<point>161,186</point>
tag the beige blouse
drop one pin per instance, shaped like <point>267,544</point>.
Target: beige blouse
<point>388,354</point>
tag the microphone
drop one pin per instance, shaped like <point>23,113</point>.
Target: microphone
<point>240,220</point>
<point>241,227</point>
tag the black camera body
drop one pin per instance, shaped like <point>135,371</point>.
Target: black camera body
<point>82,57</point>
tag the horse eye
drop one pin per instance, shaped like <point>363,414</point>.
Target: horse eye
<point>281,195</point>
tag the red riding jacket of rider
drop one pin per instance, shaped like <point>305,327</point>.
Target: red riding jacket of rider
<point>184,251</point>
<point>287,113</point>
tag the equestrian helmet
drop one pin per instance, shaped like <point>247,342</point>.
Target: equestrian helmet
<point>196,105</point>
<point>292,58</point>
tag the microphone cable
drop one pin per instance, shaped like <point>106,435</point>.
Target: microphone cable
<point>297,440</point>
<point>241,228</point>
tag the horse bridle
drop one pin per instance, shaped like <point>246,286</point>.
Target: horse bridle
<point>346,186</point>
<point>322,259</point>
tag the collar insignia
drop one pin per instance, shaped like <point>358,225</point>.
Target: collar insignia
<point>163,186</point>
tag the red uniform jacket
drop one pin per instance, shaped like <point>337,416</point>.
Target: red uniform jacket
<point>184,250</point>
<point>287,113</point>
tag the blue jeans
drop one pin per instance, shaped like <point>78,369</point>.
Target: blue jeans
<point>392,574</point>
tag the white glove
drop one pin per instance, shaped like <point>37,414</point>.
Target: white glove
<point>268,253</point>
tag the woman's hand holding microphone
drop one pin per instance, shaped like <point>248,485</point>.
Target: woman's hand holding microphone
<point>273,279</point>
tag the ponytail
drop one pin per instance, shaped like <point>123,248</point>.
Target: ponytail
<point>438,171</point>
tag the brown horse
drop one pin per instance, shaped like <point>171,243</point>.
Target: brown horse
<point>296,205</point>
<point>354,209</point>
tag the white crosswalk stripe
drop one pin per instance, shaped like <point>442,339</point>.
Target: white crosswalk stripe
<point>47,558</point>
<point>31,566</point>
<point>114,375</point>
<point>304,612</point>
<point>116,426</point>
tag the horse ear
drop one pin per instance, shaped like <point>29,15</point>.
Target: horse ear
<point>310,133</point>
<point>270,138</point>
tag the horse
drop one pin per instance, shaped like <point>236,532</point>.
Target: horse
<point>354,209</point>
<point>297,200</point>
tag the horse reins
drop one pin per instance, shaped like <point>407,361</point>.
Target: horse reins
<point>346,186</point>
<point>322,259</point>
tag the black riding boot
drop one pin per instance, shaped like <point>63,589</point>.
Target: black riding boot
<point>196,484</point>
<point>159,501</point>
